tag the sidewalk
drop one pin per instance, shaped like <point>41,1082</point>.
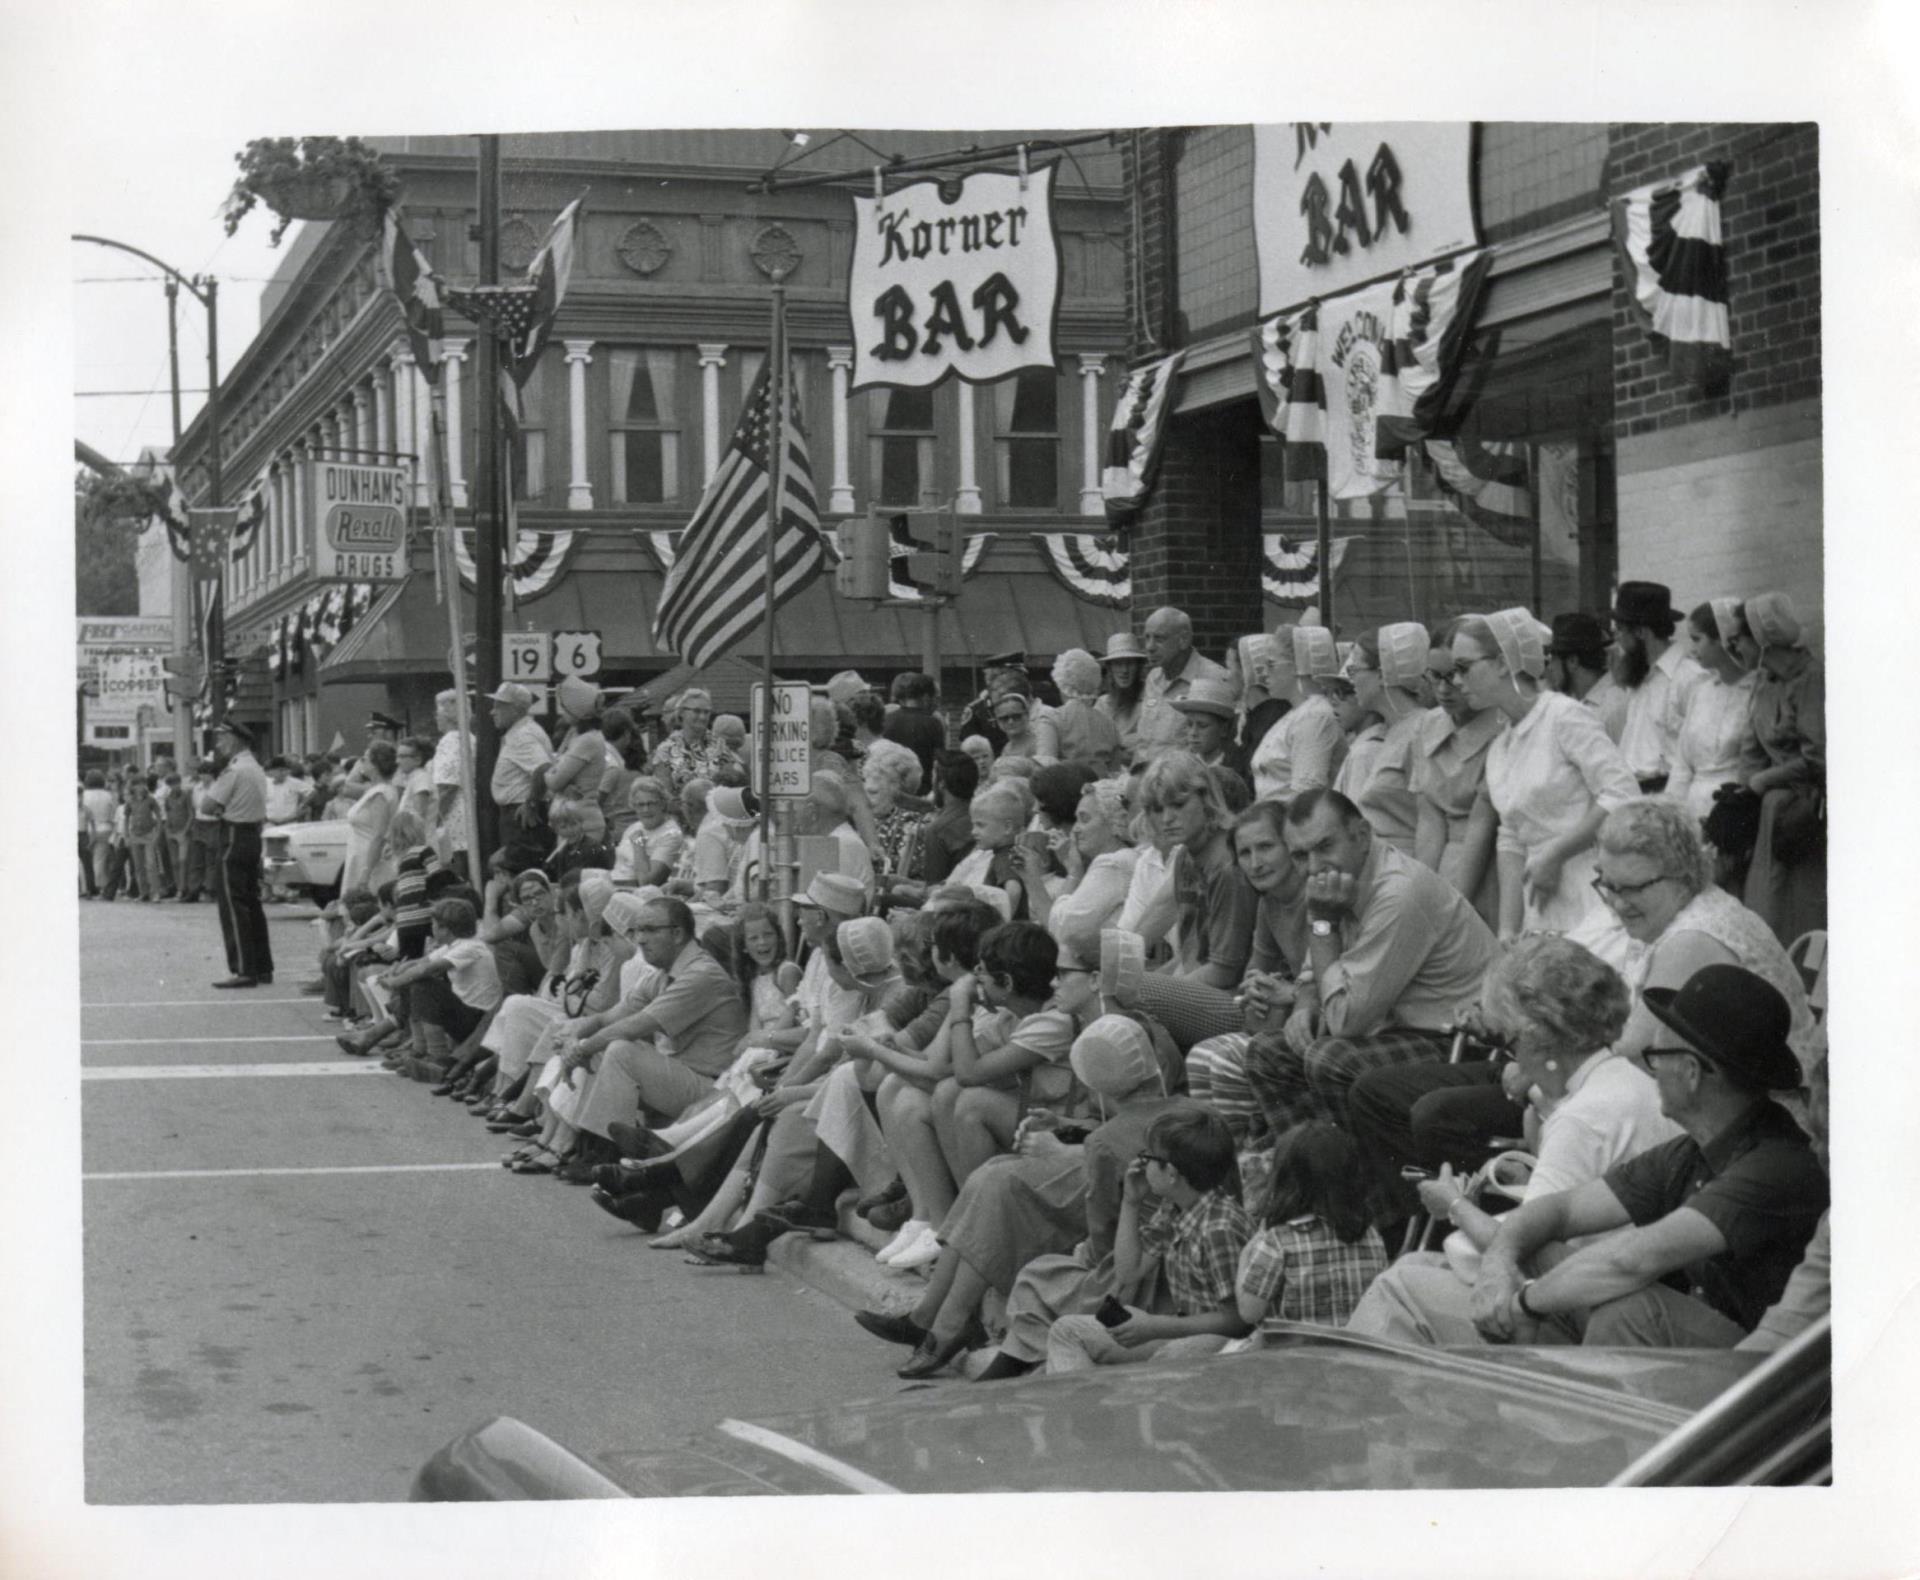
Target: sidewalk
<point>845,1270</point>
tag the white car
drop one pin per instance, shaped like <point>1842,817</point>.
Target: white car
<point>305,858</point>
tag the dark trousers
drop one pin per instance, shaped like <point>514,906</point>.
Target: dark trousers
<point>1428,1114</point>
<point>86,865</point>
<point>203,861</point>
<point>243,920</point>
<point>432,1001</point>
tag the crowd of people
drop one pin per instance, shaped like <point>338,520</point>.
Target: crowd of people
<point>1165,996</point>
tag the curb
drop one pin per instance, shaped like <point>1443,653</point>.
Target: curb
<point>844,1270</point>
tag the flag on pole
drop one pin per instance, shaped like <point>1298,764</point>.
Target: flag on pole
<point>402,269</point>
<point>253,516</point>
<point>212,530</point>
<point>716,592</point>
<point>522,315</point>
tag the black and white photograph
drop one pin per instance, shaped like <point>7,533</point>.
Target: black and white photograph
<point>1066,789</point>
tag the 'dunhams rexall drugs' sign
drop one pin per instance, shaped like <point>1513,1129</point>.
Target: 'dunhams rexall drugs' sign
<point>968,287</point>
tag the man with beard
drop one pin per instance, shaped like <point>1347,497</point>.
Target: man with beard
<point>1658,675</point>
<point>1577,663</point>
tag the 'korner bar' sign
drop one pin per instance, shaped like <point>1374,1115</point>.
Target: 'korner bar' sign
<point>1339,202</point>
<point>970,286</point>
<point>359,516</point>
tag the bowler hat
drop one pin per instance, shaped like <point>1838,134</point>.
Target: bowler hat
<point>1576,634</point>
<point>1644,603</point>
<point>1737,1020</point>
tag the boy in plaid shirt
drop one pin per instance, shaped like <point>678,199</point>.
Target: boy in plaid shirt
<point>1197,1233</point>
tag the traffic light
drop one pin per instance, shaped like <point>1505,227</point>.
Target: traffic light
<point>186,675</point>
<point>937,546</point>
<point>866,555</point>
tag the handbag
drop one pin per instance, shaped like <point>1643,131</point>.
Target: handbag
<point>1800,823</point>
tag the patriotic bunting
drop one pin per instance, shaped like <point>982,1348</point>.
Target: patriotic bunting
<point>533,567</point>
<point>1136,436</point>
<point>973,546</point>
<point>1488,481</point>
<point>1668,235</point>
<point>1290,573</point>
<point>211,532</point>
<point>1091,566</point>
<point>1349,381</point>
<point>716,592</point>
<point>253,516</point>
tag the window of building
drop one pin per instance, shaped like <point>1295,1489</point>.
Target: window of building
<point>1026,443</point>
<point>900,469</point>
<point>645,427</point>
<point>530,448</point>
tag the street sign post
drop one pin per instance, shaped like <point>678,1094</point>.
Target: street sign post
<point>576,653</point>
<point>526,657</point>
<point>792,760</point>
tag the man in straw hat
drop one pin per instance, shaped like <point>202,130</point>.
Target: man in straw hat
<point>1727,1208</point>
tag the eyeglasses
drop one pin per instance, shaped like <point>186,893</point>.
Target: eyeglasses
<point>1661,1053</point>
<point>1461,671</point>
<point>1608,890</point>
<point>1154,1157</point>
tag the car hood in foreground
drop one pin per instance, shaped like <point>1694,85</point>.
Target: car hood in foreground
<point>1314,1411</point>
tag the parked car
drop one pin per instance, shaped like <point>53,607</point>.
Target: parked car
<point>1316,1410</point>
<point>305,858</point>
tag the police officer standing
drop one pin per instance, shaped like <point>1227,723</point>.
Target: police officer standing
<point>240,796</point>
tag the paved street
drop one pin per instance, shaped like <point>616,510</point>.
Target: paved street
<point>303,1275</point>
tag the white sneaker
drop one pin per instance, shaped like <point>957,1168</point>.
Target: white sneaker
<point>910,1231</point>
<point>924,1252</point>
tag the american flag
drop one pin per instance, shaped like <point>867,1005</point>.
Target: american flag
<point>211,532</point>
<point>716,591</point>
<point>522,315</point>
<point>403,270</point>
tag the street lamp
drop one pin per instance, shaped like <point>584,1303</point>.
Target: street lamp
<point>206,291</point>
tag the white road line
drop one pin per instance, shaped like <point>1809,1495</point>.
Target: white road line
<point>242,1001</point>
<point>240,1174</point>
<point>194,1072</point>
<point>174,1042</point>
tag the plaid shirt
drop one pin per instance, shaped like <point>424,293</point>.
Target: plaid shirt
<point>1199,1248</point>
<point>1302,1272</point>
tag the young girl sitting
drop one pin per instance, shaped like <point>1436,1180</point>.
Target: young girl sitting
<point>1316,1251</point>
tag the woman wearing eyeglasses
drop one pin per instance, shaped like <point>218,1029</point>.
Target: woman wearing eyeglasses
<point>1654,871</point>
<point>1027,736</point>
<point>1456,825</point>
<point>1552,775</point>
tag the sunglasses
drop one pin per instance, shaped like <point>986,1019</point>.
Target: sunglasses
<point>1619,891</point>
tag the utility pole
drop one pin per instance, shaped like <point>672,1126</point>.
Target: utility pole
<point>217,626</point>
<point>180,584</point>
<point>489,549</point>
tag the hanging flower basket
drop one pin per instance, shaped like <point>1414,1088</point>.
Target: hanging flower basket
<point>314,178</point>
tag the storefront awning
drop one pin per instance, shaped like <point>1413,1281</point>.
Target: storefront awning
<point>1013,601</point>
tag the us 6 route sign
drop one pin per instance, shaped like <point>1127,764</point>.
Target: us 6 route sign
<point>792,746</point>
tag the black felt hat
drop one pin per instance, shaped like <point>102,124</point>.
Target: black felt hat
<point>1734,1018</point>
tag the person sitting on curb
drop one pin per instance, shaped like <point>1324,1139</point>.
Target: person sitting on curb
<point>1392,948</point>
<point>1729,1206</point>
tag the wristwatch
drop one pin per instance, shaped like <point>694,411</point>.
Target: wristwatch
<point>1320,927</point>
<point>1520,1300</point>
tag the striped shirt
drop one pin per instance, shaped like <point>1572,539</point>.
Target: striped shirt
<point>1301,1271</point>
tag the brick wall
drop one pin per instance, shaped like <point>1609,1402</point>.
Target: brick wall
<point>1196,545</point>
<point>1722,495</point>
<point>1770,219</point>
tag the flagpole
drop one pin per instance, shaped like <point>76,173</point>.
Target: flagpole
<point>776,483</point>
<point>1323,549</point>
<point>447,577</point>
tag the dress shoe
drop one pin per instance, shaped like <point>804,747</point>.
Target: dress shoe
<point>643,1209</point>
<point>891,1216</point>
<point>621,1178</point>
<point>238,982</point>
<point>932,1357</point>
<point>895,1329</point>
<point>798,1218</point>
<point>873,1200</point>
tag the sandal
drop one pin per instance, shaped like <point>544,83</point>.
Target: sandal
<point>525,1154</point>
<point>542,1160</point>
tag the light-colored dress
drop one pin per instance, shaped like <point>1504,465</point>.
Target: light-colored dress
<point>1716,744</point>
<point>1303,751</point>
<point>1363,751</point>
<point>1387,796</point>
<point>1545,775</point>
<point>368,863</point>
<point>1450,770</point>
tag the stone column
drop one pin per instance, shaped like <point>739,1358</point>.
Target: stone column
<point>1092,502</point>
<point>712,359</point>
<point>454,353</point>
<point>383,412</point>
<point>363,439</point>
<point>400,361</point>
<point>840,496</point>
<point>302,482</point>
<point>422,436</point>
<point>579,486</point>
<point>967,497</point>
<point>346,425</point>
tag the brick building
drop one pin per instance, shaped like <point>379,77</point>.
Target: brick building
<point>1626,471</point>
<point>662,332</point>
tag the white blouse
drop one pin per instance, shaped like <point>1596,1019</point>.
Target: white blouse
<point>1716,743</point>
<point>1302,752</point>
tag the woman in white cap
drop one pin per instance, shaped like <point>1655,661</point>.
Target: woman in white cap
<point>1305,749</point>
<point>1125,664</point>
<point>1387,669</point>
<point>1787,883</point>
<point>573,778</point>
<point>1715,745</point>
<point>1552,776</point>
<point>1456,824</point>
